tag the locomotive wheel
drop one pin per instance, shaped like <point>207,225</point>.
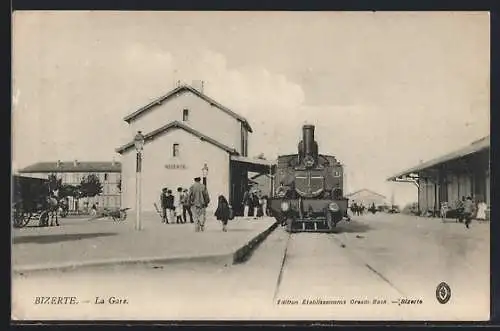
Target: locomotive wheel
<point>44,219</point>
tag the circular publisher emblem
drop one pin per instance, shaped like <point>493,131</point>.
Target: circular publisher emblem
<point>443,293</point>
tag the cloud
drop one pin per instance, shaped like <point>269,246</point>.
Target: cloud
<point>76,102</point>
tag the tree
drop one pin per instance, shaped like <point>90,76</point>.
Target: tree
<point>68,190</point>
<point>90,186</point>
<point>54,182</point>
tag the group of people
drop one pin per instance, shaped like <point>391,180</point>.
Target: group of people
<point>175,208</point>
<point>358,209</point>
<point>253,200</point>
<point>192,202</point>
<point>467,210</point>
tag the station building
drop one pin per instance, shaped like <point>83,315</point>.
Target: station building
<point>186,131</point>
<point>448,178</point>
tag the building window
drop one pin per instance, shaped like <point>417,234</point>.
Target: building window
<point>175,150</point>
<point>336,174</point>
<point>185,115</point>
<point>244,141</point>
<point>105,176</point>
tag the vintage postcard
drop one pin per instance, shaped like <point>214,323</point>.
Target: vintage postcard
<point>251,166</point>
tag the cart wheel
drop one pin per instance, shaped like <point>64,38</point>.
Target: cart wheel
<point>17,218</point>
<point>21,219</point>
<point>44,219</point>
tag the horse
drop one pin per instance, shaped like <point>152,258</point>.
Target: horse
<point>53,209</point>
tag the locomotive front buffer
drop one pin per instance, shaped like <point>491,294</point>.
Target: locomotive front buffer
<point>311,215</point>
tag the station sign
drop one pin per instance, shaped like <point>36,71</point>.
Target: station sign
<point>175,166</point>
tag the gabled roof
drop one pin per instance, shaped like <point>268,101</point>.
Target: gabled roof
<point>245,159</point>
<point>72,167</point>
<point>365,190</point>
<point>257,176</point>
<point>475,147</point>
<point>177,125</point>
<point>181,89</point>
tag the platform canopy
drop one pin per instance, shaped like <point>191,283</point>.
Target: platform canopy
<point>413,173</point>
<point>254,165</point>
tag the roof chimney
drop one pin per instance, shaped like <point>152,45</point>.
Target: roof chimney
<point>198,85</point>
<point>75,163</point>
<point>58,163</point>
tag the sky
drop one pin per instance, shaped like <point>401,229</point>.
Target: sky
<point>384,89</point>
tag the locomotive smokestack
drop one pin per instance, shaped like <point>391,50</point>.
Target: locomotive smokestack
<point>308,139</point>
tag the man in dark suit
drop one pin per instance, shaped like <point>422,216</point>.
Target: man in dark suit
<point>163,201</point>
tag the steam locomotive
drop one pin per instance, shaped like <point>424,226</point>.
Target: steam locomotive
<point>309,197</point>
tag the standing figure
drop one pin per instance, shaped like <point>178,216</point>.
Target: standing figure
<point>170,206</point>
<point>178,205</point>
<point>246,203</point>
<point>199,200</point>
<point>222,212</point>
<point>354,208</point>
<point>186,207</point>
<point>255,205</point>
<point>460,210</point>
<point>264,206</point>
<point>468,211</point>
<point>93,210</point>
<point>444,210</point>
<point>163,202</point>
<point>481,210</point>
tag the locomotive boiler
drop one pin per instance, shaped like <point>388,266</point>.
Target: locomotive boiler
<point>309,196</point>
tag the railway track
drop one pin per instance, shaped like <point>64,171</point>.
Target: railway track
<point>321,264</point>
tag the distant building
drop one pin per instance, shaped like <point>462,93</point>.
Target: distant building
<point>367,198</point>
<point>464,172</point>
<point>72,173</point>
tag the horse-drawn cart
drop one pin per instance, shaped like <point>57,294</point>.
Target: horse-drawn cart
<point>29,201</point>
